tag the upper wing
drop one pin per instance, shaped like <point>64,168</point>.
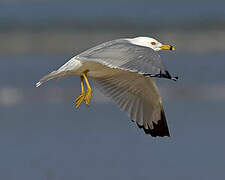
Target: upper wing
<point>123,55</point>
<point>138,97</point>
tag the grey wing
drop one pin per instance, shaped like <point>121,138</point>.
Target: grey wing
<point>126,56</point>
<point>138,97</point>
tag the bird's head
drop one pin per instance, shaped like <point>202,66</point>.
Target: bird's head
<point>151,43</point>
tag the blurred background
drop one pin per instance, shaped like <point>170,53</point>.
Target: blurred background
<point>43,136</point>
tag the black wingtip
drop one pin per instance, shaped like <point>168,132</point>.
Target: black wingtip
<point>175,78</point>
<point>162,75</point>
<point>160,129</point>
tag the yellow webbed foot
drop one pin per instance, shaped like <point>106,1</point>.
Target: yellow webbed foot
<point>88,96</point>
<point>80,99</point>
<point>83,96</point>
<point>89,90</point>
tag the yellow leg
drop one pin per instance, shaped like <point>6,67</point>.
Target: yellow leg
<point>89,90</point>
<point>80,98</point>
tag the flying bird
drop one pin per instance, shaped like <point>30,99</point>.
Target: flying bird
<point>123,70</point>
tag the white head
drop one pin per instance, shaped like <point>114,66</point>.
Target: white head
<point>151,43</point>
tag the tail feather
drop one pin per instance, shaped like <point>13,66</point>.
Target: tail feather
<point>48,77</point>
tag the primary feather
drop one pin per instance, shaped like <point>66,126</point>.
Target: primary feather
<point>138,96</point>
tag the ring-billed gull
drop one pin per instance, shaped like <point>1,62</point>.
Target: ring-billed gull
<point>123,70</point>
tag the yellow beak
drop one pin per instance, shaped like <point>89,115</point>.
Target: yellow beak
<point>167,47</point>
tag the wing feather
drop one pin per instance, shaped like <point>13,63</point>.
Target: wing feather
<point>124,55</point>
<point>138,97</point>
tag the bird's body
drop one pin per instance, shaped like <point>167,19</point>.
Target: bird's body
<point>119,68</point>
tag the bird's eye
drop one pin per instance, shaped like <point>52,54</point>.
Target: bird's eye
<point>153,43</point>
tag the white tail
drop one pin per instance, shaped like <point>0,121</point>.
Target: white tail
<point>48,77</point>
<point>63,71</point>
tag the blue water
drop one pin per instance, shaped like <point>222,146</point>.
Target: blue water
<point>41,139</point>
<point>48,141</point>
<point>151,11</point>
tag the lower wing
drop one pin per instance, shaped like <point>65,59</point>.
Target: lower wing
<point>138,97</point>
